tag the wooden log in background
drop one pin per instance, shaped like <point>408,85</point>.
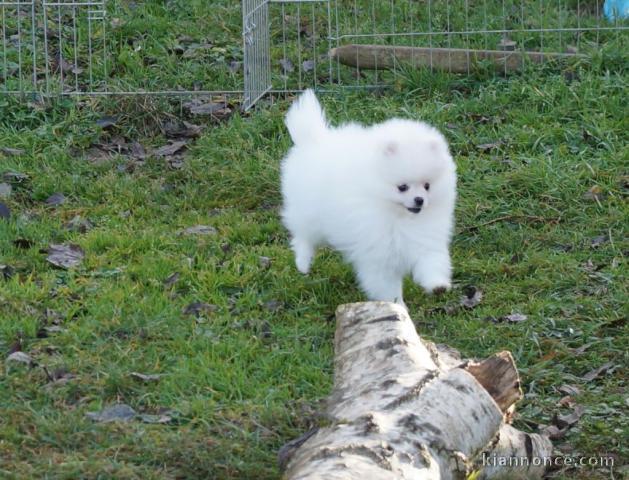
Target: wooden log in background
<point>456,60</point>
<point>404,408</point>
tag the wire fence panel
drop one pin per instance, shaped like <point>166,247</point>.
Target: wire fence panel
<point>18,62</point>
<point>256,41</point>
<point>100,47</point>
<point>301,33</point>
<point>75,47</point>
<point>463,36</point>
<point>367,43</point>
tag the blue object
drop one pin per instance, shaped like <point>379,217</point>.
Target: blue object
<point>616,9</point>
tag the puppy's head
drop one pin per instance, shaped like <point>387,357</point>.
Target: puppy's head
<point>414,165</point>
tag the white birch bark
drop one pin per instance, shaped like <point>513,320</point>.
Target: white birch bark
<point>404,408</point>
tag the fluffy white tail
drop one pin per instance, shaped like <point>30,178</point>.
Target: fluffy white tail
<point>305,119</point>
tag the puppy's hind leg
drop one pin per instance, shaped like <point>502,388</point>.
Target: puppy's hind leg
<point>304,250</point>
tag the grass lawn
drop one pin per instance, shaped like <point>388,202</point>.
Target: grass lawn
<point>541,219</point>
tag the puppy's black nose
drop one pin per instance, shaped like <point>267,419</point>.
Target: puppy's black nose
<point>419,201</point>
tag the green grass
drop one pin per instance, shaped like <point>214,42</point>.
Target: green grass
<point>247,378</point>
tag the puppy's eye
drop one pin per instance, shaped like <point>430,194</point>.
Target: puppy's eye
<point>403,187</point>
<point>427,186</point>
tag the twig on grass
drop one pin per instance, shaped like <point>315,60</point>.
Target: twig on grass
<point>532,218</point>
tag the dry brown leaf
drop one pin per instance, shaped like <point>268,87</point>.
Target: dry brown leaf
<point>287,65</point>
<point>472,297</point>
<point>171,279</point>
<point>308,65</point>
<point>570,419</point>
<point>553,432</point>
<point>597,372</point>
<point>200,230</point>
<point>197,308</point>
<point>119,412</point>
<point>137,151</point>
<point>5,212</point>
<point>566,401</point>
<point>514,318</point>
<point>12,152</point>
<point>176,129</point>
<point>14,177</point>
<point>56,199</point>
<point>78,224</point>
<point>170,149</point>
<point>158,419</point>
<point>6,271</point>
<point>97,155</point>
<point>65,255</point>
<point>595,193</point>
<point>486,147</point>
<point>599,240</point>
<point>153,377</point>
<point>20,357</point>
<point>569,390</point>
<point>107,121</point>
<point>265,262</point>
<point>5,190</point>
<point>581,350</point>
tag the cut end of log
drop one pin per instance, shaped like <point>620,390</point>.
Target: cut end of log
<point>499,376</point>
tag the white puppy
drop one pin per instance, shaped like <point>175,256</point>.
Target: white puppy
<point>383,195</point>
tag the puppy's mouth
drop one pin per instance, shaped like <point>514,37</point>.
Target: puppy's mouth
<point>415,209</point>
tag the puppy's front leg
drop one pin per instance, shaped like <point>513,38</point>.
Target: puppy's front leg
<point>380,283</point>
<point>433,271</point>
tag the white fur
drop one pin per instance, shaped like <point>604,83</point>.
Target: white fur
<point>340,188</point>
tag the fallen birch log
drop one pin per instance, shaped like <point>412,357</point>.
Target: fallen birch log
<point>403,408</point>
<point>456,60</point>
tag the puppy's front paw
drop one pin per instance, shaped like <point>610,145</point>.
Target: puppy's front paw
<point>438,287</point>
<point>441,289</point>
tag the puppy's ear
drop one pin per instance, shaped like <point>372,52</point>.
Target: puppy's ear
<point>437,145</point>
<point>390,149</point>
